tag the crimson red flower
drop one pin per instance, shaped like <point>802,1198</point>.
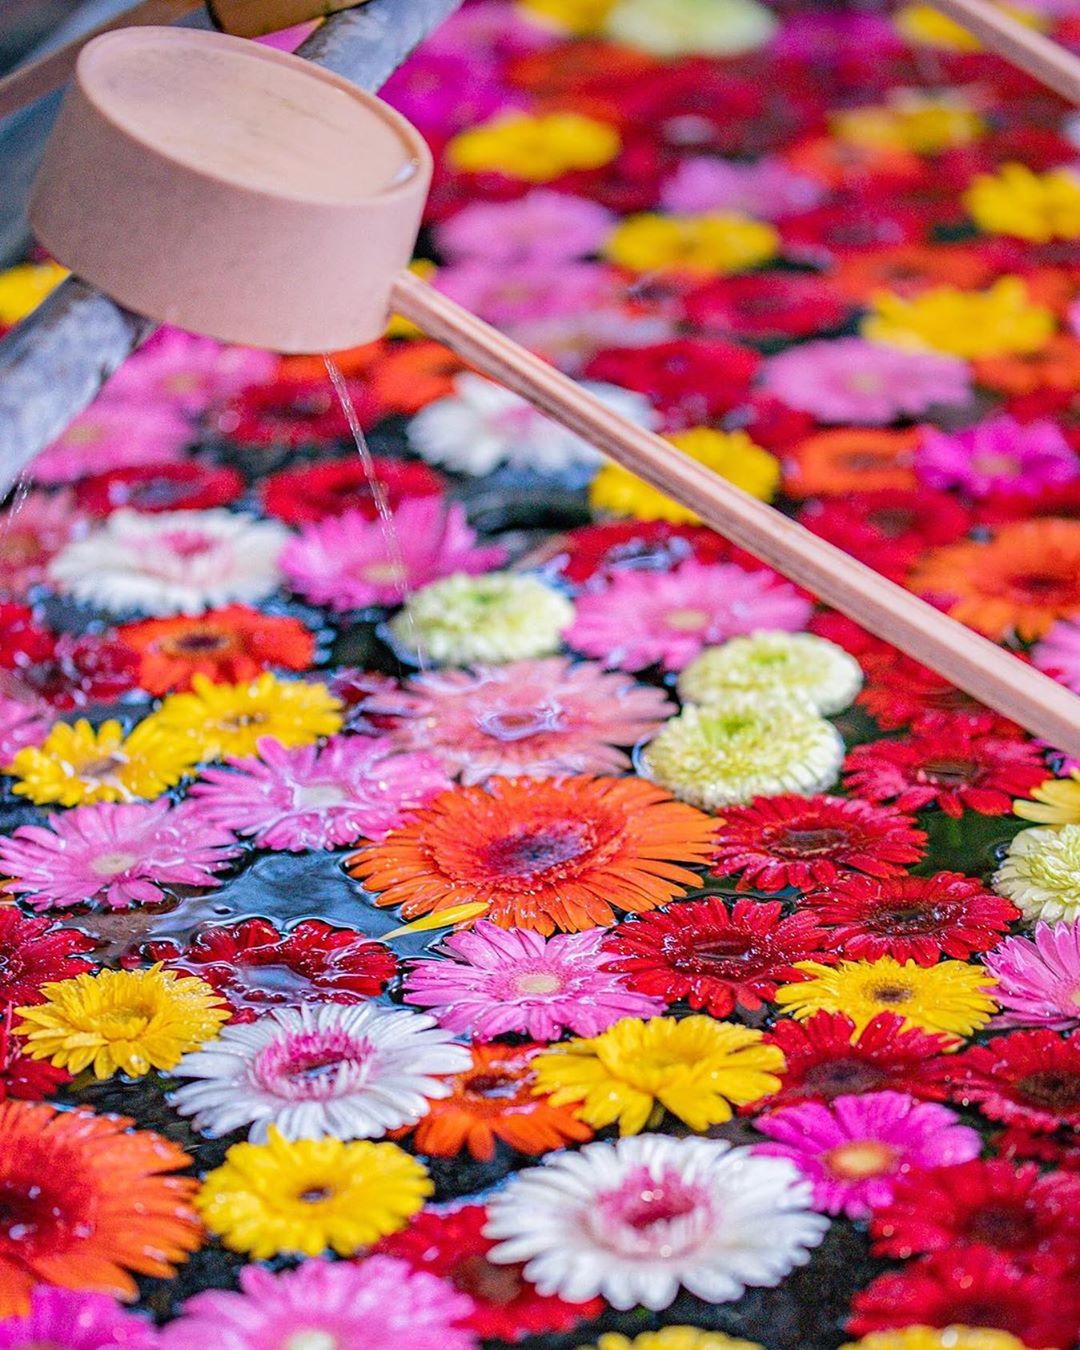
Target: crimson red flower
<point>453,1247</point>
<point>373,703</point>
<point>292,413</point>
<point>712,956</point>
<point>1059,502</point>
<point>972,1287</point>
<point>1018,1210</point>
<point>188,486</point>
<point>954,767</point>
<point>770,423</point>
<point>645,545</point>
<point>911,918</point>
<point>901,692</point>
<point>256,967</point>
<point>846,633</point>
<point>691,382</point>
<point>844,225</point>
<point>315,491</point>
<point>789,840</point>
<point>76,671</point>
<point>23,1078</point>
<point>766,306</point>
<point>888,529</point>
<point>630,182</point>
<point>1028,1078</point>
<point>1018,1143</point>
<point>22,639</point>
<point>825,1059</point>
<point>33,952</point>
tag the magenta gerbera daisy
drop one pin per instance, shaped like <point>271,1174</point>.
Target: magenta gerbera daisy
<point>714,957</point>
<point>307,798</point>
<point>116,854</point>
<point>775,842</point>
<point>854,1149</point>
<point>34,952</point>
<point>76,1321</point>
<point>1039,978</point>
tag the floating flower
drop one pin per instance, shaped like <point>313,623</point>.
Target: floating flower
<point>22,1078</point>
<point>634,1220</point>
<point>998,455</point>
<point>558,854</point>
<point>641,618</point>
<point>529,718</point>
<point>90,1200</point>
<point>767,307</point>
<point>693,382</point>
<point>522,292</point>
<point>232,719</point>
<point>929,1338</point>
<point>492,981</point>
<point>599,551</point>
<point>888,530</point>
<point>695,1068</point>
<point>1058,654</point>
<point>543,225</point>
<point>731,454</point>
<point>536,148</point>
<point>150,488</point>
<point>302,1197</point>
<point>496,1099</point>
<point>114,434</point>
<point>711,956</point>
<point>33,953</point>
<point>378,1302</point>
<point>766,188</point>
<point>128,1021</point>
<point>838,463</point>
<point>672,1338</point>
<point>348,562</point>
<point>226,645</point>
<point>790,840</point>
<point>79,763</point>
<point>714,243</point>
<point>1038,979</point>
<point>1027,1078</point>
<point>901,693</point>
<point>669,28</point>
<point>32,535</point>
<point>950,997</point>
<point>481,425</point>
<point>910,918</point>
<point>62,1317</point>
<point>452,1246</point>
<point>1038,207</point>
<point>751,744</point>
<point>1041,873</point>
<point>354,1073</point>
<point>306,798</point>
<point>856,1149</point>
<point>765,662</point>
<point>500,616</point>
<point>70,671</point>
<point>311,492</point>
<point>118,855</point>
<point>175,562</point>
<point>970,324</point>
<point>292,412</point>
<point>851,380</point>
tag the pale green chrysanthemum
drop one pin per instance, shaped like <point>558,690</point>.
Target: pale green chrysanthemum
<point>669,28</point>
<point>793,663</point>
<point>752,744</point>
<point>1041,873</point>
<point>499,616</point>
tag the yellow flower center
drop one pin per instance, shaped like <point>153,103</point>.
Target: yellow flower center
<point>387,573</point>
<point>237,721</point>
<point>312,1340</point>
<point>122,1024</point>
<point>111,864</point>
<point>539,982</point>
<point>686,620</point>
<point>859,1159</point>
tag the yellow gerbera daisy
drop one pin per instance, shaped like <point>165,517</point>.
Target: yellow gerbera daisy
<point>695,1068</point>
<point>129,1020</point>
<point>535,148</point>
<point>230,719</point>
<point>731,454</point>
<point>23,288</point>
<point>971,324</point>
<point>671,1338</point>
<point>76,763</point>
<point>950,997</point>
<point>1056,802</point>
<point>302,1197</point>
<point>924,123</point>
<point>715,243</point>
<point>580,17</point>
<point>1038,207</point>
<point>937,1338</point>
<point>928,26</point>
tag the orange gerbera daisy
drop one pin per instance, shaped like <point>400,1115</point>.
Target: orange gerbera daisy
<point>411,375</point>
<point>85,1200</point>
<point>1057,366</point>
<point>856,459</point>
<point>227,645</point>
<point>557,854</point>
<point>834,162</point>
<point>354,361</point>
<point>1020,581</point>
<point>907,269</point>
<point>494,1100</point>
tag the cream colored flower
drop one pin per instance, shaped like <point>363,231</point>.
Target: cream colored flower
<point>799,664</point>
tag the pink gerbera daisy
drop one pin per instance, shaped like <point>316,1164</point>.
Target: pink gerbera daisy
<point>179,370</point>
<point>1039,979</point>
<point>21,723</point>
<point>351,562</point>
<point>76,1321</point>
<point>114,435</point>
<point>1058,654</point>
<point>118,854</point>
<point>1000,455</point>
<point>641,618</point>
<point>854,1149</point>
<point>305,797</point>
<point>530,718</point>
<point>501,980</point>
<point>33,530</point>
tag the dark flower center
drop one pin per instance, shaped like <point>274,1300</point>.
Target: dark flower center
<point>201,643</point>
<point>1056,1089</point>
<point>719,956</point>
<point>836,1077</point>
<point>821,841</point>
<point>475,1275</point>
<point>1040,587</point>
<point>892,521</point>
<point>1003,1225</point>
<point>949,772</point>
<point>530,852</point>
<point>493,1085</point>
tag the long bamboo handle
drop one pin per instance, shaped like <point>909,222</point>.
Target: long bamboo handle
<point>986,671</point>
<point>1044,60</point>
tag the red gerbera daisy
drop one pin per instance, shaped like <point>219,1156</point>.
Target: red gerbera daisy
<point>789,840</point>
<point>825,1059</point>
<point>972,1287</point>
<point>23,1078</point>
<point>453,1247</point>
<point>256,967</point>
<point>846,633</point>
<point>847,225</point>
<point>712,956</point>
<point>76,671</point>
<point>911,918</point>
<point>887,529</point>
<point>188,486</point>
<point>769,422</point>
<point>315,491</point>
<point>293,413</point>
<point>692,383</point>
<point>33,952</point>
<point>1021,1211</point>
<point>1017,1143</point>
<point>646,545</point>
<point>900,692</point>
<point>956,768</point>
<point>767,305</point>
<point>373,702</point>
<point>22,640</point>
<point>1029,1078</point>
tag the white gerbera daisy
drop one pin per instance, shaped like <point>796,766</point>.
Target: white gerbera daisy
<point>174,562</point>
<point>793,663</point>
<point>1041,873</point>
<point>320,1069</point>
<point>636,1219</point>
<point>482,425</point>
